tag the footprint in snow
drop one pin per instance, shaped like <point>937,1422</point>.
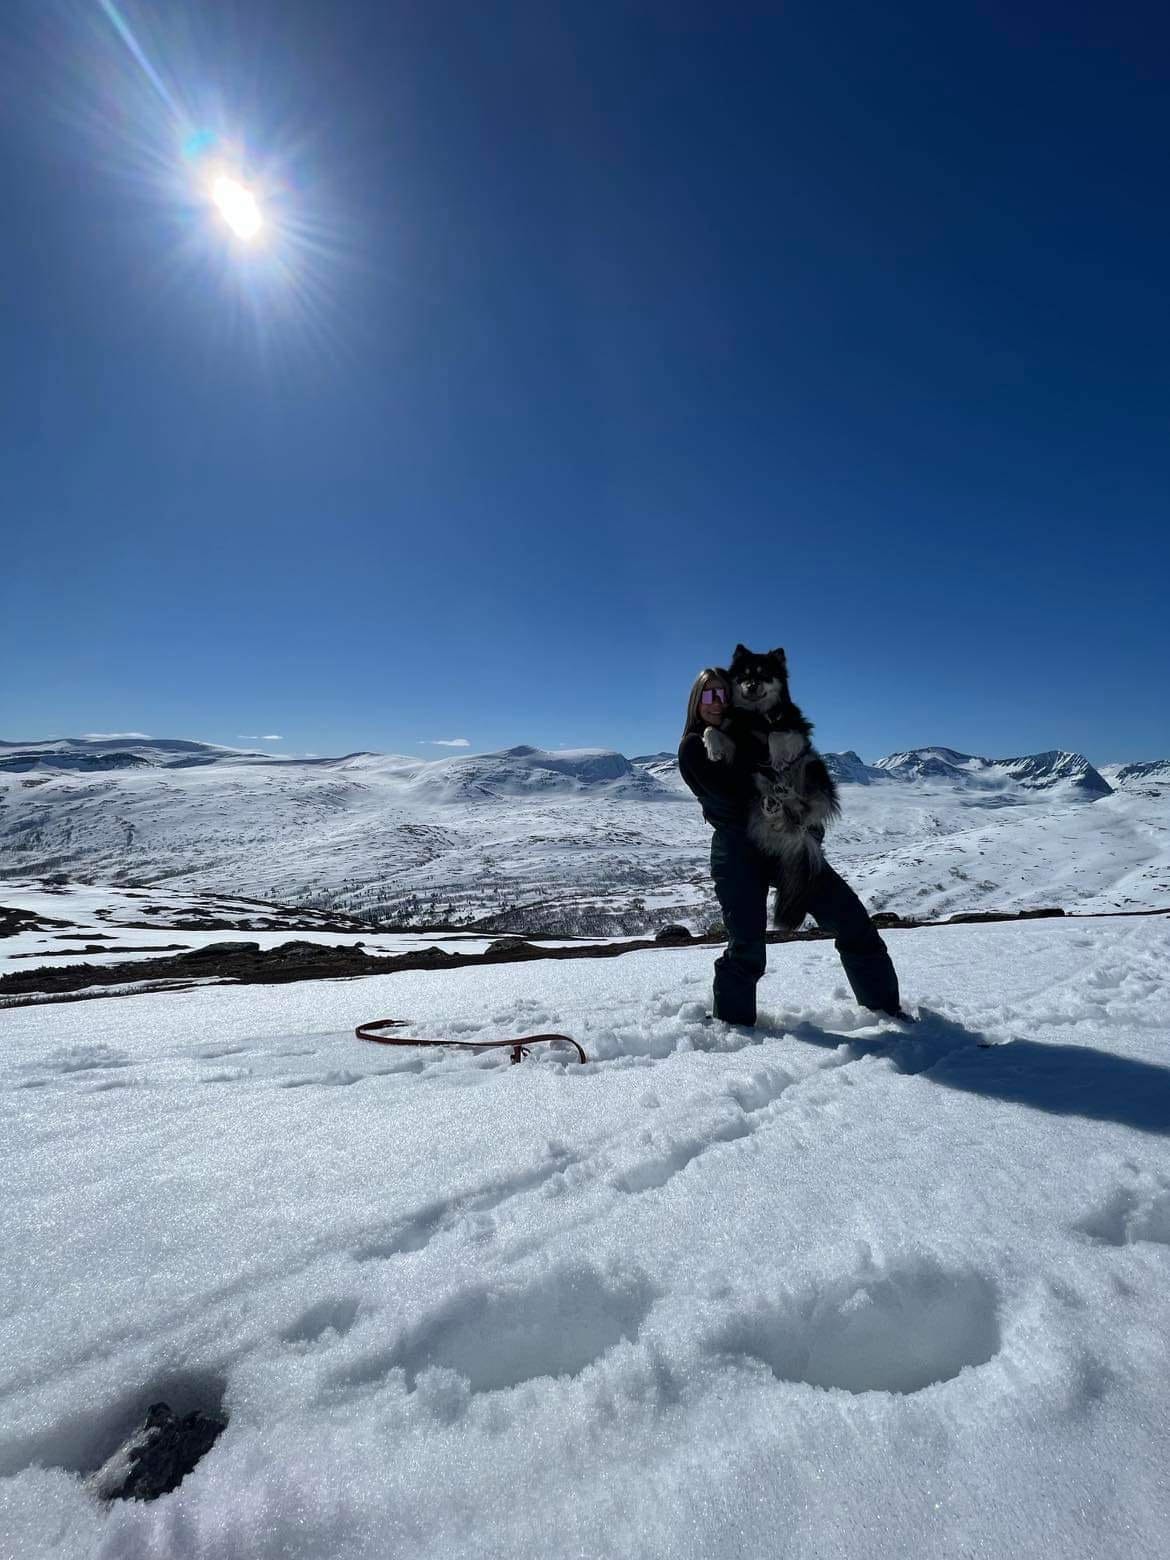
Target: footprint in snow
<point>897,1331</point>
<point>493,1337</point>
<point>334,1314</point>
<point>1128,1214</point>
<point>463,1213</point>
<point>743,1109</point>
<point>85,1058</point>
<point>338,1079</point>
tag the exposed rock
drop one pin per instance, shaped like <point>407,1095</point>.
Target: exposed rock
<point>16,763</point>
<point>158,1456</point>
<point>849,768</point>
<point>509,945</point>
<point>250,965</point>
<point>672,934</point>
<point>13,921</point>
<point>215,949</point>
<point>239,961</point>
<point>1032,772</point>
<point>98,948</point>
<point>1142,779</point>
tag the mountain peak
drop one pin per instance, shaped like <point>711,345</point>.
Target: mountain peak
<point>1031,772</point>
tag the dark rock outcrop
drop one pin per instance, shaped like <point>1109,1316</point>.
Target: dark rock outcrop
<point>513,947</point>
<point>159,1455</point>
<point>13,920</point>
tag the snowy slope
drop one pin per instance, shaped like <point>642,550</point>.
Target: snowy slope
<point>95,924</point>
<point>1151,780</point>
<point>1067,772</point>
<point>831,1291</point>
<point>576,841</point>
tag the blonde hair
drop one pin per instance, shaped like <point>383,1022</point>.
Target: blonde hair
<point>708,674</point>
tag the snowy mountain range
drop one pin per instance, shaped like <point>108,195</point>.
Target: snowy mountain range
<point>1036,772</point>
<point>572,840</point>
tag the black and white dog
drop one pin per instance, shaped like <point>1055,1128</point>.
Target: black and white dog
<point>795,793</point>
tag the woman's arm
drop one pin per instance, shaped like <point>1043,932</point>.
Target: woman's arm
<point>723,787</point>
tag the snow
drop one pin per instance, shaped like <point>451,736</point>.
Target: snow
<point>1055,770</point>
<point>109,919</point>
<point>579,841</point>
<point>831,1288</point>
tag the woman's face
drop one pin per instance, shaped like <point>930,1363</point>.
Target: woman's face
<point>711,713</point>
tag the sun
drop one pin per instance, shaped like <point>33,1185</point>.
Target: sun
<point>238,207</point>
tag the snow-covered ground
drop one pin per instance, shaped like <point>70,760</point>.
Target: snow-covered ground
<point>1111,854</point>
<point>834,1288</point>
<point>112,925</point>
<point>576,842</point>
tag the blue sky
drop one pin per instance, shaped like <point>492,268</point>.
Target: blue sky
<point>589,340</point>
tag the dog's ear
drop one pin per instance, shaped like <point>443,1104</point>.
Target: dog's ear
<point>740,650</point>
<point>778,655</point>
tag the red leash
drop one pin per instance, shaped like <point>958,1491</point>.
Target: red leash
<point>519,1047</point>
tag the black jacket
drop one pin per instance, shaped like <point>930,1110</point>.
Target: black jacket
<point>724,789</point>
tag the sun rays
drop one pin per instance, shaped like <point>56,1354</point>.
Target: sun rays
<point>237,216</point>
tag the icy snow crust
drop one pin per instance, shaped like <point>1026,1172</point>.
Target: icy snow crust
<point>831,1288</point>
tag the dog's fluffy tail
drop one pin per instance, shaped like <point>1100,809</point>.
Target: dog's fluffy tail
<point>802,865</point>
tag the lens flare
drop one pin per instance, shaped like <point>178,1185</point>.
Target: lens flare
<point>245,220</point>
<point>238,207</point>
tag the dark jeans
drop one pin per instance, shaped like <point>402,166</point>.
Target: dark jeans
<point>742,877</point>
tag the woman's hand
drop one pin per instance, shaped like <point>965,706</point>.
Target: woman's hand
<point>720,748</point>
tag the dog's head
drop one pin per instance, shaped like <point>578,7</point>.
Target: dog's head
<point>759,681</point>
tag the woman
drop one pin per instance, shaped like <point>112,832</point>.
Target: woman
<point>743,875</point>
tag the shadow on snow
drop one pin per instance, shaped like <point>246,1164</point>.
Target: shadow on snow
<point>1067,1080</point>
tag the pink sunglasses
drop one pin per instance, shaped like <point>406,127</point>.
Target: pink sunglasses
<point>713,696</point>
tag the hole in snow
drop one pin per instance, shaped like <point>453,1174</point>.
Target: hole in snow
<point>893,1332</point>
<point>496,1338</point>
<point>332,1315</point>
<point>89,1444</point>
<point>1129,1215</point>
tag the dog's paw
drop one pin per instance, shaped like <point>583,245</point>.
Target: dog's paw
<point>771,786</point>
<point>785,746</point>
<point>720,748</point>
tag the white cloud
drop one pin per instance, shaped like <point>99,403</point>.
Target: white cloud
<point>252,736</point>
<point>444,742</point>
<point>113,736</point>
